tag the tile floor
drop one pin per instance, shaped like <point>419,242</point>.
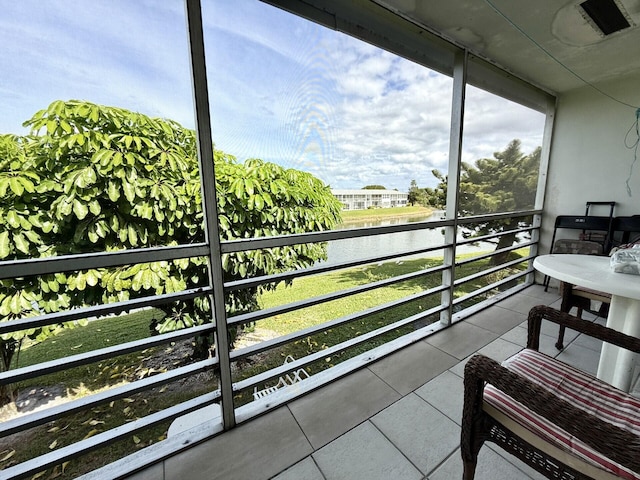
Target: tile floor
<point>397,419</point>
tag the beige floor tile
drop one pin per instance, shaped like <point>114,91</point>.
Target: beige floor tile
<point>445,394</point>
<point>521,303</point>
<point>415,366</point>
<point>422,433</point>
<point>537,291</point>
<point>461,339</point>
<point>491,466</point>
<point>303,470</point>
<point>364,453</point>
<point>256,450</point>
<point>336,408</point>
<point>500,349</point>
<point>496,319</point>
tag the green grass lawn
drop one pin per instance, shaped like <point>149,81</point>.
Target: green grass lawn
<point>92,378</point>
<point>377,214</point>
<point>94,335</point>
<point>308,287</point>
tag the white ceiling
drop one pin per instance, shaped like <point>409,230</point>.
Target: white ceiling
<point>534,39</point>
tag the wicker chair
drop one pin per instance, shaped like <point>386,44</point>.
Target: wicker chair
<point>576,427</point>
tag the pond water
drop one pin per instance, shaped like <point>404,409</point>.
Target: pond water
<point>365,247</point>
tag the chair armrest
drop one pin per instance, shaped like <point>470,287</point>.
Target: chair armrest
<point>615,443</point>
<point>540,312</point>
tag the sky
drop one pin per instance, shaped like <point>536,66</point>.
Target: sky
<point>281,88</point>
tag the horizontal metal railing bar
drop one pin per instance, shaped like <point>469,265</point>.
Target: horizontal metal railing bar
<point>45,368</point>
<point>488,288</point>
<point>488,271</point>
<point>309,359</point>
<point>273,373</point>
<point>33,466</point>
<point>85,261</point>
<point>497,216</point>
<point>244,244</point>
<point>24,422</point>
<point>267,345</point>
<point>491,236</point>
<point>486,255</point>
<point>101,310</point>
<point>41,266</point>
<point>261,314</point>
<point>482,256</point>
<point>499,233</point>
<point>279,277</point>
<point>472,310</point>
<point>308,302</point>
<point>284,339</point>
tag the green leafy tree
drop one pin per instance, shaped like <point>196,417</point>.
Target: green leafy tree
<point>428,197</point>
<point>257,199</point>
<point>414,193</point>
<point>95,178</point>
<point>505,183</point>
<point>437,196</point>
<point>374,187</point>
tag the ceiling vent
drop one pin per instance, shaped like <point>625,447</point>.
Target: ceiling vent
<point>606,15</point>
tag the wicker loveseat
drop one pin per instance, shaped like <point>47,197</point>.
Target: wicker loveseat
<point>561,421</point>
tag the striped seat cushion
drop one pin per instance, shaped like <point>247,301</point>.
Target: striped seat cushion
<point>577,388</point>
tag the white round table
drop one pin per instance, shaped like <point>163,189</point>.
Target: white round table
<point>616,364</point>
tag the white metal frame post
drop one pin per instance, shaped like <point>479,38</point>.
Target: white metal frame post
<point>453,182</point>
<point>542,182</point>
<point>207,182</point>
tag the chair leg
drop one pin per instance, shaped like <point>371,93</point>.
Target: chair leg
<point>603,311</point>
<point>468,470</point>
<point>470,446</point>
<point>560,342</point>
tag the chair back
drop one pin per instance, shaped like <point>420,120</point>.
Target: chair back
<point>625,229</point>
<point>594,228</point>
<point>582,247</point>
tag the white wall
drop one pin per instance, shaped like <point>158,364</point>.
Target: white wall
<point>588,159</point>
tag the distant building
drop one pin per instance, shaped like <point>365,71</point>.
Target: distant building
<point>363,199</point>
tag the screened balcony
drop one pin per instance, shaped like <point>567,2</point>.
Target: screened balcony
<point>397,418</point>
<point>408,316</point>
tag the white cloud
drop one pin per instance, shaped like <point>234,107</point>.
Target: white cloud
<point>492,122</point>
<point>281,88</point>
<point>129,54</point>
<point>392,121</point>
